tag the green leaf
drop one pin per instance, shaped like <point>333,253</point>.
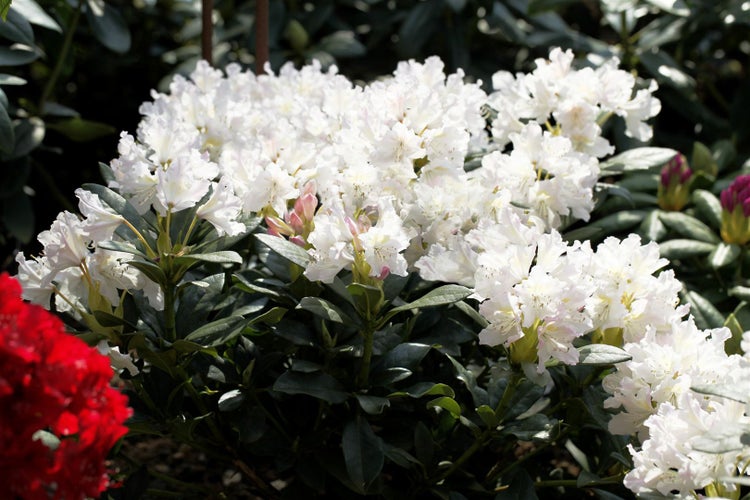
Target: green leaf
<point>602,354</point>
<point>399,456</point>
<point>675,7</point>
<point>218,332</point>
<point>724,153</point>
<point>419,25</point>
<point>108,26</point>
<point>407,355</point>
<point>619,221</point>
<point>123,207</point>
<point>705,313</point>
<point>737,390</point>
<point>18,216</point>
<point>446,403</point>
<point>17,29</point>
<point>741,292</point>
<point>688,226</point>
<point>4,8</point>
<point>79,130</point>
<point>723,255</point>
<point>652,227</point>
<point>363,453</point>
<point>708,206</point>
<point>221,257</point>
<point>120,246</point>
<point>286,249</point>
<point>325,309</point>
<point>342,44</point>
<point>6,79</point>
<point>425,389</point>
<point>318,385</point>
<point>35,14</point>
<point>680,249</point>
<point>488,416</point>
<point>151,270</point>
<point>374,405</point>
<point>231,400</point>
<point>702,160</point>
<point>29,134</point>
<point>7,137</point>
<point>733,345</point>
<point>17,56</point>
<point>637,159</point>
<point>446,294</point>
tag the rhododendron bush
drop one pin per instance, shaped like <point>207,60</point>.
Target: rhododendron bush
<point>387,289</point>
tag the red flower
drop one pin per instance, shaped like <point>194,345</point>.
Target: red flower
<point>59,417</point>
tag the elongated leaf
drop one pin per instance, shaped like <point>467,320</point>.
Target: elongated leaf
<point>708,206</point>
<point>425,389</point>
<point>222,257</point>
<point>4,9</point>
<point>680,249</point>
<point>637,159</point>
<point>6,79</point>
<point>122,207</point>
<point>35,14</point>
<point>446,294</point>
<point>723,255</point>
<point>17,56</point>
<point>446,403</point>
<point>17,29</point>
<point>318,385</point>
<point>407,355</point>
<point>363,453</point>
<point>80,130</point>
<point>733,345</point>
<point>325,309</point>
<point>688,226</point>
<point>151,270</point>
<point>652,227</point>
<point>737,390</point>
<point>619,221</point>
<point>218,332</point>
<point>602,354</point>
<point>286,249</point>
<point>108,26</point>
<point>17,214</point>
<point>120,246</point>
<point>374,405</point>
<point>741,292</point>
<point>231,400</point>
<point>705,313</point>
<point>342,44</point>
<point>7,137</point>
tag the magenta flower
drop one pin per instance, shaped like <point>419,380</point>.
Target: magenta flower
<point>735,215</point>
<point>674,186</point>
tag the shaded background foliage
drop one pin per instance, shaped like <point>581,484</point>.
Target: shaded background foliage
<point>697,50</point>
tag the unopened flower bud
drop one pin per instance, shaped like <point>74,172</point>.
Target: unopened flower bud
<point>735,214</point>
<point>674,185</point>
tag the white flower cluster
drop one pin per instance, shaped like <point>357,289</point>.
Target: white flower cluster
<point>385,162</point>
<point>671,421</point>
<point>547,293</point>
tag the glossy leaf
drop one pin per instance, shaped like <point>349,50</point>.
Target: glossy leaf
<point>324,309</point>
<point>231,400</point>
<point>318,385</point>
<point>16,28</point>
<point>723,255</point>
<point>680,248</point>
<point>35,14</point>
<point>79,130</point>
<point>705,313</point>
<point>29,134</point>
<point>17,56</point>
<point>221,257</point>
<point>602,354</point>
<point>218,332</point>
<point>373,405</point>
<point>708,206</point>
<point>342,44</point>
<point>108,26</point>
<point>446,294</point>
<point>637,159</point>
<point>446,403</point>
<point>286,249</point>
<point>7,137</point>
<point>363,453</point>
<point>688,226</point>
<point>6,79</point>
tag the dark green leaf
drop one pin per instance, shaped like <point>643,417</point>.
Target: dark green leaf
<point>18,216</point>
<point>286,249</point>
<point>35,14</point>
<point>374,405</point>
<point>619,221</point>
<point>666,70</point>
<point>520,487</point>
<point>7,137</point>
<point>708,206</point>
<point>151,270</point>
<point>6,79</point>
<point>418,26</point>
<point>705,313</point>
<point>363,453</point>
<point>390,375</point>
<point>325,309</point>
<point>108,26</point>
<point>231,400</point>
<point>688,226</point>
<point>702,160</point>
<point>741,292</point>
<point>399,456</point>
<point>602,354</point>
<point>488,416</point>
<point>424,444</point>
<point>478,394</point>
<point>652,227</point>
<point>342,44</point>
<point>218,332</point>
<point>407,355</point>
<point>17,29</point>
<point>723,255</point>
<point>79,130</point>
<point>426,389</point>
<point>29,134</point>
<point>123,207</point>
<point>120,246</point>
<point>680,249</point>
<point>295,332</point>
<point>221,257</point>
<point>446,294</point>
<point>318,385</point>
<point>17,56</point>
<point>637,159</point>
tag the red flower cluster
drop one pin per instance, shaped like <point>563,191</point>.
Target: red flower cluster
<point>59,417</point>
